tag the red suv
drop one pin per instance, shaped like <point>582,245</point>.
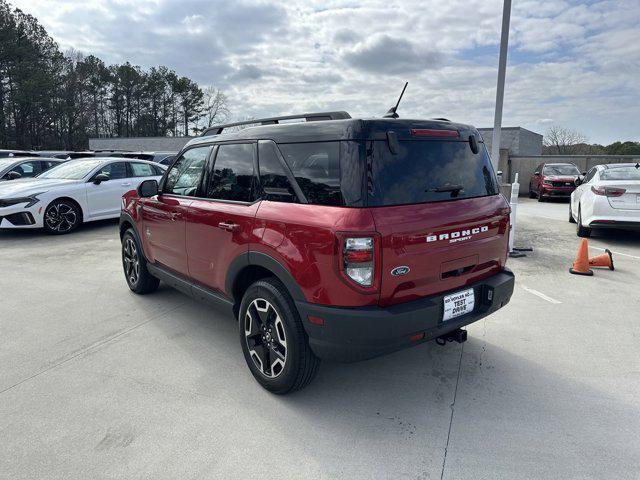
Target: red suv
<point>334,238</point>
<point>555,180</point>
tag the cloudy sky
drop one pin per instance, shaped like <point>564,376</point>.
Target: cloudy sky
<point>573,63</point>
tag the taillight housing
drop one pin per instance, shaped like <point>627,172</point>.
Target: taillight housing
<point>360,260</point>
<point>608,191</point>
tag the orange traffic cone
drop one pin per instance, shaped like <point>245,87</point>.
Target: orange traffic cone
<point>604,260</point>
<point>581,265</point>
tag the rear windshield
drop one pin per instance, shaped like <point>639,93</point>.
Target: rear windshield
<point>560,170</point>
<point>425,171</point>
<point>622,173</point>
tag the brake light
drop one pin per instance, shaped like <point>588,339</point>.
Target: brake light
<point>608,191</point>
<point>358,260</point>
<point>428,132</point>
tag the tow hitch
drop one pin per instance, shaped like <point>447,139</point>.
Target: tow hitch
<point>458,335</point>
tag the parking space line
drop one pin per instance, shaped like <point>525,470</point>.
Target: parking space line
<point>617,253</point>
<point>541,295</point>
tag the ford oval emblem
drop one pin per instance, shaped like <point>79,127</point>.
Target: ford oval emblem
<point>399,271</point>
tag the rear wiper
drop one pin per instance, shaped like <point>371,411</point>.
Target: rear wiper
<point>454,189</point>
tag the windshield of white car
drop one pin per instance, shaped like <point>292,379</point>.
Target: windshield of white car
<point>72,170</point>
<point>4,163</point>
<point>622,173</point>
<point>561,170</point>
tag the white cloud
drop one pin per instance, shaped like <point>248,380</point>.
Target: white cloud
<point>571,62</point>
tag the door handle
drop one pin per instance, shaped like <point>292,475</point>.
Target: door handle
<point>126,184</point>
<point>175,216</point>
<point>229,226</point>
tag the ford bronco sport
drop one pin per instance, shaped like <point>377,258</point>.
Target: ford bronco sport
<point>334,238</point>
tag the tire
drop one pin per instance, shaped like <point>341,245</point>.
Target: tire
<point>268,317</point>
<point>61,217</point>
<point>571,219</point>
<point>532,194</point>
<point>584,232</point>
<point>540,198</point>
<point>134,265</point>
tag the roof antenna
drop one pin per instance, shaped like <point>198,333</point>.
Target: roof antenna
<point>392,111</point>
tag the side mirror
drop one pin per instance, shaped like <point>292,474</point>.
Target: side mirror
<point>101,177</point>
<point>578,181</point>
<point>584,174</point>
<point>13,175</point>
<point>148,188</point>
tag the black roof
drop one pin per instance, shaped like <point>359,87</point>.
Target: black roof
<point>328,130</point>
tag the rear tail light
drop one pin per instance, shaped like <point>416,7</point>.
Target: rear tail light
<point>359,260</point>
<point>608,191</point>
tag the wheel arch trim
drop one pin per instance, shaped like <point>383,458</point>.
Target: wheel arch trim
<point>252,258</point>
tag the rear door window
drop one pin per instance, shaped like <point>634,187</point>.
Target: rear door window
<point>233,175</point>
<point>142,170</point>
<point>273,177</point>
<point>316,168</point>
<point>425,171</point>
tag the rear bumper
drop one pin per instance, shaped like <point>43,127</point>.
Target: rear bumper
<point>353,334</point>
<point>615,224</point>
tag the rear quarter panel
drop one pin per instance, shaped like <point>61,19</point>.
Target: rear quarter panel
<point>303,239</point>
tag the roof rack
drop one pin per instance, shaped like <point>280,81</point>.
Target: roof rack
<point>309,117</point>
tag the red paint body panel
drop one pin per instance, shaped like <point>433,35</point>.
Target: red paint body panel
<point>303,239</point>
<point>163,230</point>
<point>405,230</point>
<point>211,248</point>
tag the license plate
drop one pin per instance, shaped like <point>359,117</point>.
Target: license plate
<point>458,304</point>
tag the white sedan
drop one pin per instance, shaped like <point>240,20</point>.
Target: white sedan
<point>78,191</point>
<point>607,197</point>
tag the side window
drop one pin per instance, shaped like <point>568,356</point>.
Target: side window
<point>539,168</point>
<point>316,168</point>
<point>115,170</point>
<point>232,177</point>
<point>28,169</point>
<point>184,175</point>
<point>48,164</point>
<point>158,171</point>
<point>142,170</point>
<point>590,174</point>
<point>273,178</point>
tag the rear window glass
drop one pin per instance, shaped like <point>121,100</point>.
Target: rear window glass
<point>428,171</point>
<point>316,167</point>
<point>328,173</point>
<point>631,173</point>
<point>560,170</point>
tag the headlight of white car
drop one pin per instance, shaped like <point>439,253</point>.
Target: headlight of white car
<point>30,201</point>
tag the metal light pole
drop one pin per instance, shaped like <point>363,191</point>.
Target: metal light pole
<point>502,68</point>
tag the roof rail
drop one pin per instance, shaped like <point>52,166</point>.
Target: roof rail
<point>309,117</point>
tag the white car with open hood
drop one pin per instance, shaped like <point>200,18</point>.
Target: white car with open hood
<point>607,197</point>
<point>62,198</point>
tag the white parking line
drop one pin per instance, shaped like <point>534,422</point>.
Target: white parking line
<point>617,253</point>
<point>541,295</point>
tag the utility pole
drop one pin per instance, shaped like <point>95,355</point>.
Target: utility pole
<point>502,68</point>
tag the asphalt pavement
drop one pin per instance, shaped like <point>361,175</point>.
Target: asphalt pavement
<point>96,382</point>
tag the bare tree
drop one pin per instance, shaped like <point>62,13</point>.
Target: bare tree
<point>215,109</point>
<point>564,141</point>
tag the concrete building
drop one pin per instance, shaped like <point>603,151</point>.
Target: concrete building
<point>136,144</point>
<point>517,140</point>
